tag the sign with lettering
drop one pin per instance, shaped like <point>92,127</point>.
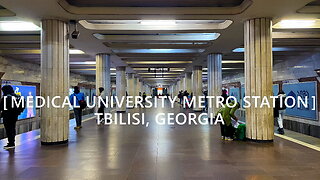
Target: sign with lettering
<point>303,90</point>
<point>235,92</point>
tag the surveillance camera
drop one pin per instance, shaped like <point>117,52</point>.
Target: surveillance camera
<point>75,34</point>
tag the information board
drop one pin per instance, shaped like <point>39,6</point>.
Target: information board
<point>235,92</point>
<point>26,91</point>
<point>302,89</point>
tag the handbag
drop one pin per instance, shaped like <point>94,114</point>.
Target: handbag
<point>82,103</point>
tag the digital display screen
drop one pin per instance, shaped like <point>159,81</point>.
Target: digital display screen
<point>25,91</point>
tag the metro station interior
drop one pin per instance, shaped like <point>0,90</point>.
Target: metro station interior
<point>160,48</point>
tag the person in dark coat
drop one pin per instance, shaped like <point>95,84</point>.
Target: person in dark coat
<point>9,114</point>
<point>225,96</point>
<point>279,110</point>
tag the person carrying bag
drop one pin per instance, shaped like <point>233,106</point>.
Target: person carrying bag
<point>78,98</point>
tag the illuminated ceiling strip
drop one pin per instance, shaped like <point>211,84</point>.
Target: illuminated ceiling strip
<point>18,26</point>
<point>276,49</point>
<point>158,37</point>
<point>171,69</point>
<point>298,24</point>
<point>35,51</point>
<point>158,50</point>
<point>155,24</point>
<point>159,62</point>
<point>161,73</point>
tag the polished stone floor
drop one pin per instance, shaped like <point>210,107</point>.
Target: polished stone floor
<point>156,152</point>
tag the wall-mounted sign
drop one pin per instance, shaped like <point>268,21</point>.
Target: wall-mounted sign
<point>26,92</point>
<point>302,89</point>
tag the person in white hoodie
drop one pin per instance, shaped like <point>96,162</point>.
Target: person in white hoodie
<point>279,110</point>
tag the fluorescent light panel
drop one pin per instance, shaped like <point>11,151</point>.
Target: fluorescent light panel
<point>298,24</point>
<point>158,22</point>
<point>161,73</point>
<point>276,49</point>
<point>159,62</point>
<point>171,69</point>
<point>158,50</point>
<point>18,26</point>
<point>75,51</point>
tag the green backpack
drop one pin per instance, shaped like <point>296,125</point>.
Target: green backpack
<point>241,132</point>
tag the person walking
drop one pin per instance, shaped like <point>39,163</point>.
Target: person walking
<point>10,114</point>
<point>76,100</point>
<point>144,96</point>
<point>279,110</point>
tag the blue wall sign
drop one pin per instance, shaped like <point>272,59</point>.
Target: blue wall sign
<point>26,91</point>
<point>235,92</point>
<point>304,89</point>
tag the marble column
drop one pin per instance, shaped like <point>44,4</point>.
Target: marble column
<point>103,78</point>
<point>54,80</point>
<point>130,84</point>
<point>197,85</point>
<point>258,77</point>
<point>182,84</point>
<point>140,86</point>
<point>121,86</point>
<point>178,86</point>
<point>187,82</point>
<point>214,63</point>
<point>136,86</point>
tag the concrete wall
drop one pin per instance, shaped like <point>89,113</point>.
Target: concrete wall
<point>16,70</point>
<point>290,70</point>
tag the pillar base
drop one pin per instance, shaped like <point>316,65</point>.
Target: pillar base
<point>54,143</point>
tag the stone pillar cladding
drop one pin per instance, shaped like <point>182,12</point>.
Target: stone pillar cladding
<point>54,80</point>
<point>214,65</point>
<point>103,78</point>
<point>121,86</point>
<point>130,84</point>
<point>258,77</point>
<point>187,82</point>
<point>197,85</point>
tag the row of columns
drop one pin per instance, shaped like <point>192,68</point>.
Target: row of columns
<point>258,78</point>
<point>55,78</point>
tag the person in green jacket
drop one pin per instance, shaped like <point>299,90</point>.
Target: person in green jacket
<point>227,130</point>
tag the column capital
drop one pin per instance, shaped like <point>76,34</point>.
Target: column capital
<point>121,68</point>
<point>197,67</point>
<point>102,54</point>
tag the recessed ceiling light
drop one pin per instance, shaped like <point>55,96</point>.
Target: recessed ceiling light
<point>158,50</point>
<point>75,51</point>
<point>298,24</point>
<point>18,26</point>
<point>83,62</point>
<point>277,49</point>
<point>158,62</point>
<point>158,22</point>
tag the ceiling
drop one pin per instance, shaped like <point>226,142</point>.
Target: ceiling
<point>183,35</point>
<point>155,3</point>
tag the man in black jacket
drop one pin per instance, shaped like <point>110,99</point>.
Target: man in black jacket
<point>9,114</point>
<point>279,110</point>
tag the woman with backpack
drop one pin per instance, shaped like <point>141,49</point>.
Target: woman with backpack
<point>10,114</point>
<point>78,103</point>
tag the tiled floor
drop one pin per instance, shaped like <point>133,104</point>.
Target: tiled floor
<point>157,152</point>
